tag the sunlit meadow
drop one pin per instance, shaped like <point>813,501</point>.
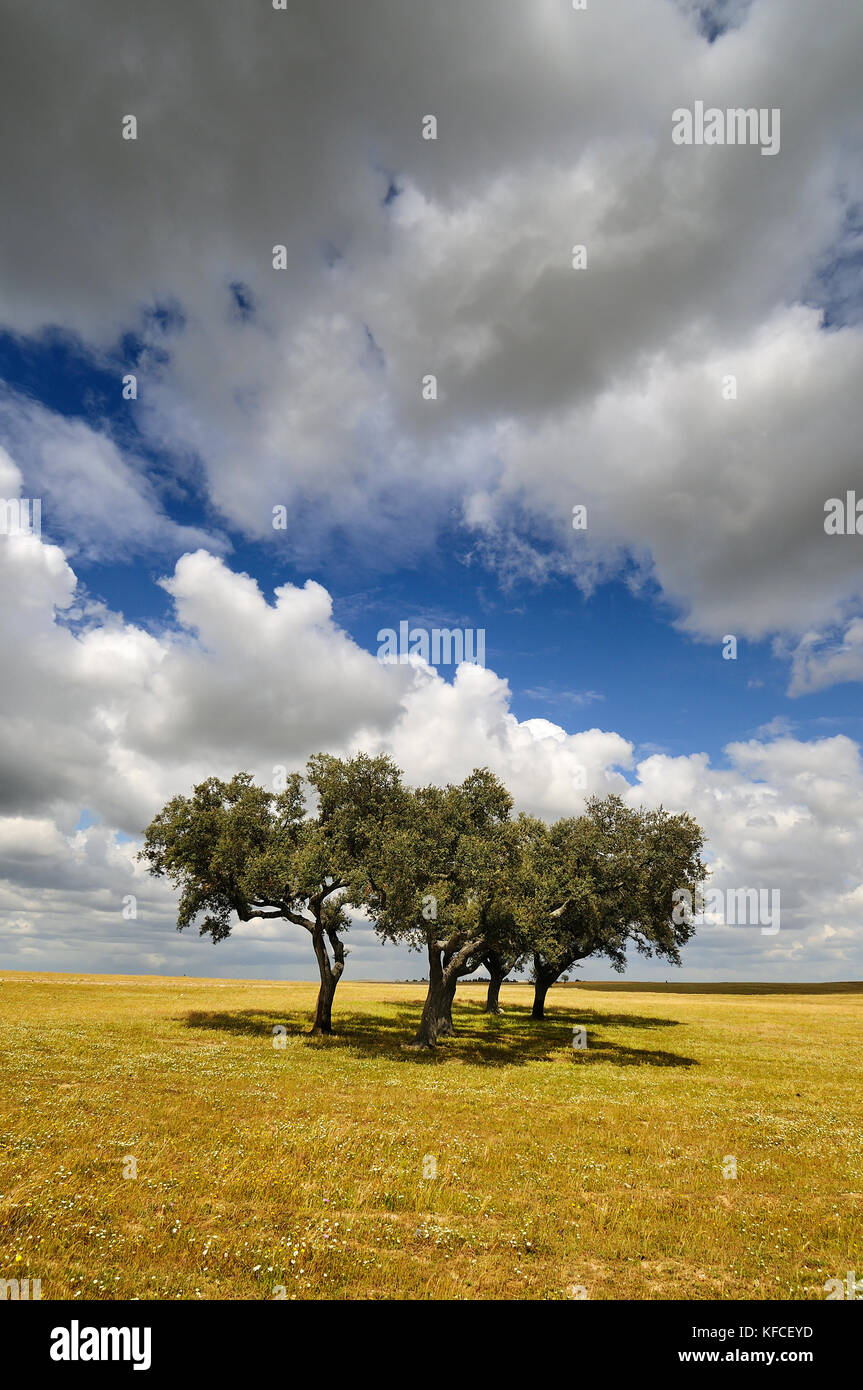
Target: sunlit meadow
<point>302,1170</point>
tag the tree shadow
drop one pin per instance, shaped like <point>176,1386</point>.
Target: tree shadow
<point>602,1050</point>
<point>574,1013</point>
<point>483,1040</point>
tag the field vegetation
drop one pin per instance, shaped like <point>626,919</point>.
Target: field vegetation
<point>504,1163</point>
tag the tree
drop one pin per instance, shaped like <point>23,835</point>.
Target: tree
<point>441,884</point>
<point>523,919</point>
<point>596,884</point>
<point>514,939</point>
<point>234,848</point>
<point>498,968</point>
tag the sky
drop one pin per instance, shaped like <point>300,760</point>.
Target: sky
<point>282,301</point>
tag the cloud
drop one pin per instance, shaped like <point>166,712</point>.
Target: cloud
<point>99,503</point>
<point>549,695</point>
<point>785,815</point>
<point>407,257</point>
<point>724,497</point>
<point>116,719</point>
<point>779,726</point>
<point>818,662</point>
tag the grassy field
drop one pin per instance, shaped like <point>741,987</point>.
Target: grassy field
<point>302,1167</point>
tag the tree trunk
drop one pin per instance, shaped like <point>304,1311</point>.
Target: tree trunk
<point>498,970</point>
<point>544,977</point>
<point>444,971</point>
<point>455,964</point>
<point>323,1023</point>
<point>445,1026</point>
<point>492,1002</point>
<point>540,990</point>
<point>428,1029</point>
<point>330,976</point>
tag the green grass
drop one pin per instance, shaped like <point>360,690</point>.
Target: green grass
<point>303,1167</point>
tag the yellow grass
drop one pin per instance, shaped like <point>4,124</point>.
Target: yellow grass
<point>302,1167</point>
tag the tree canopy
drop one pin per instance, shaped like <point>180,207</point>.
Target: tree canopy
<point>236,848</point>
<point>446,870</point>
<point>601,882</point>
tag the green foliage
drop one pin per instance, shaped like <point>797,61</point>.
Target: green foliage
<point>444,869</point>
<point>596,884</point>
<point>445,863</point>
<point>233,847</point>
